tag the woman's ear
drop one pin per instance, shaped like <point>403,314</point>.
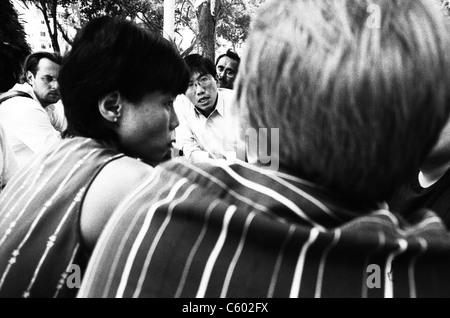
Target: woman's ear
<point>110,106</point>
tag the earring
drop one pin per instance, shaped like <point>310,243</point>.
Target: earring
<point>115,119</point>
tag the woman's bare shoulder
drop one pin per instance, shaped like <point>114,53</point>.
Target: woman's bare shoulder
<point>117,179</point>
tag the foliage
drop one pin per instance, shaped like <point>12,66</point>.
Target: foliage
<point>13,46</point>
<point>230,19</point>
<point>234,19</point>
<point>148,12</point>
<point>48,9</point>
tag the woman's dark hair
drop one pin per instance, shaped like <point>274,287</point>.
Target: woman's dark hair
<point>111,54</point>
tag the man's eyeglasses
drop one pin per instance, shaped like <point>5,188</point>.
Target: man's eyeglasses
<point>203,81</point>
<point>227,72</point>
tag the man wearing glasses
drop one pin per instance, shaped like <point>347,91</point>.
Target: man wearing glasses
<point>205,112</point>
<point>227,66</point>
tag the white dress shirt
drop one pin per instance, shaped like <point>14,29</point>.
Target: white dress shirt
<point>8,161</point>
<point>214,137</point>
<point>56,114</point>
<point>27,125</point>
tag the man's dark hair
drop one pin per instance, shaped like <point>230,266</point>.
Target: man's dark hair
<point>231,54</point>
<point>32,61</point>
<point>200,64</point>
<point>112,54</point>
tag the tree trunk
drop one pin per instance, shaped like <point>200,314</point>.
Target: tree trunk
<point>207,30</point>
<point>55,43</point>
<point>52,33</point>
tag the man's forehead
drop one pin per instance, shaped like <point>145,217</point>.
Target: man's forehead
<point>47,65</point>
<point>228,62</point>
<point>198,75</point>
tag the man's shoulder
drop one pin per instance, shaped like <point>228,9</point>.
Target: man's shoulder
<point>227,98</point>
<point>19,92</point>
<point>182,105</point>
<point>25,88</point>
<point>219,175</point>
<point>201,173</point>
<point>182,101</point>
<point>21,107</point>
<point>18,99</point>
<point>226,93</point>
<point>13,93</point>
<point>183,167</point>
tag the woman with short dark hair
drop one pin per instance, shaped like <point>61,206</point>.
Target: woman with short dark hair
<point>117,85</point>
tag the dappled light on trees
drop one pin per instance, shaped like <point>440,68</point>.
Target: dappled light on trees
<point>206,20</point>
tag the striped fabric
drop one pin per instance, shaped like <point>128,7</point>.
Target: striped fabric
<point>39,216</point>
<point>240,232</point>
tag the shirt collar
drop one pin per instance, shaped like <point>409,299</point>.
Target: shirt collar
<point>220,106</point>
<point>27,88</point>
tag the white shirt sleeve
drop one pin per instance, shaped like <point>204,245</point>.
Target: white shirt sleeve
<point>8,161</point>
<point>57,117</point>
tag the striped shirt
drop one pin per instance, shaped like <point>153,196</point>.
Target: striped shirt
<point>239,232</point>
<point>41,251</point>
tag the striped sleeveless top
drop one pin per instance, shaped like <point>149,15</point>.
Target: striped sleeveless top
<point>199,231</point>
<point>41,252</point>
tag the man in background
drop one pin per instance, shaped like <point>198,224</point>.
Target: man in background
<point>13,51</point>
<point>227,66</point>
<point>206,113</point>
<point>31,118</point>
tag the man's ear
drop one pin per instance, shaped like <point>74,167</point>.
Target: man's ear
<point>110,106</point>
<point>29,77</point>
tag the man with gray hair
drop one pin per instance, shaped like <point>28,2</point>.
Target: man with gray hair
<point>359,97</point>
